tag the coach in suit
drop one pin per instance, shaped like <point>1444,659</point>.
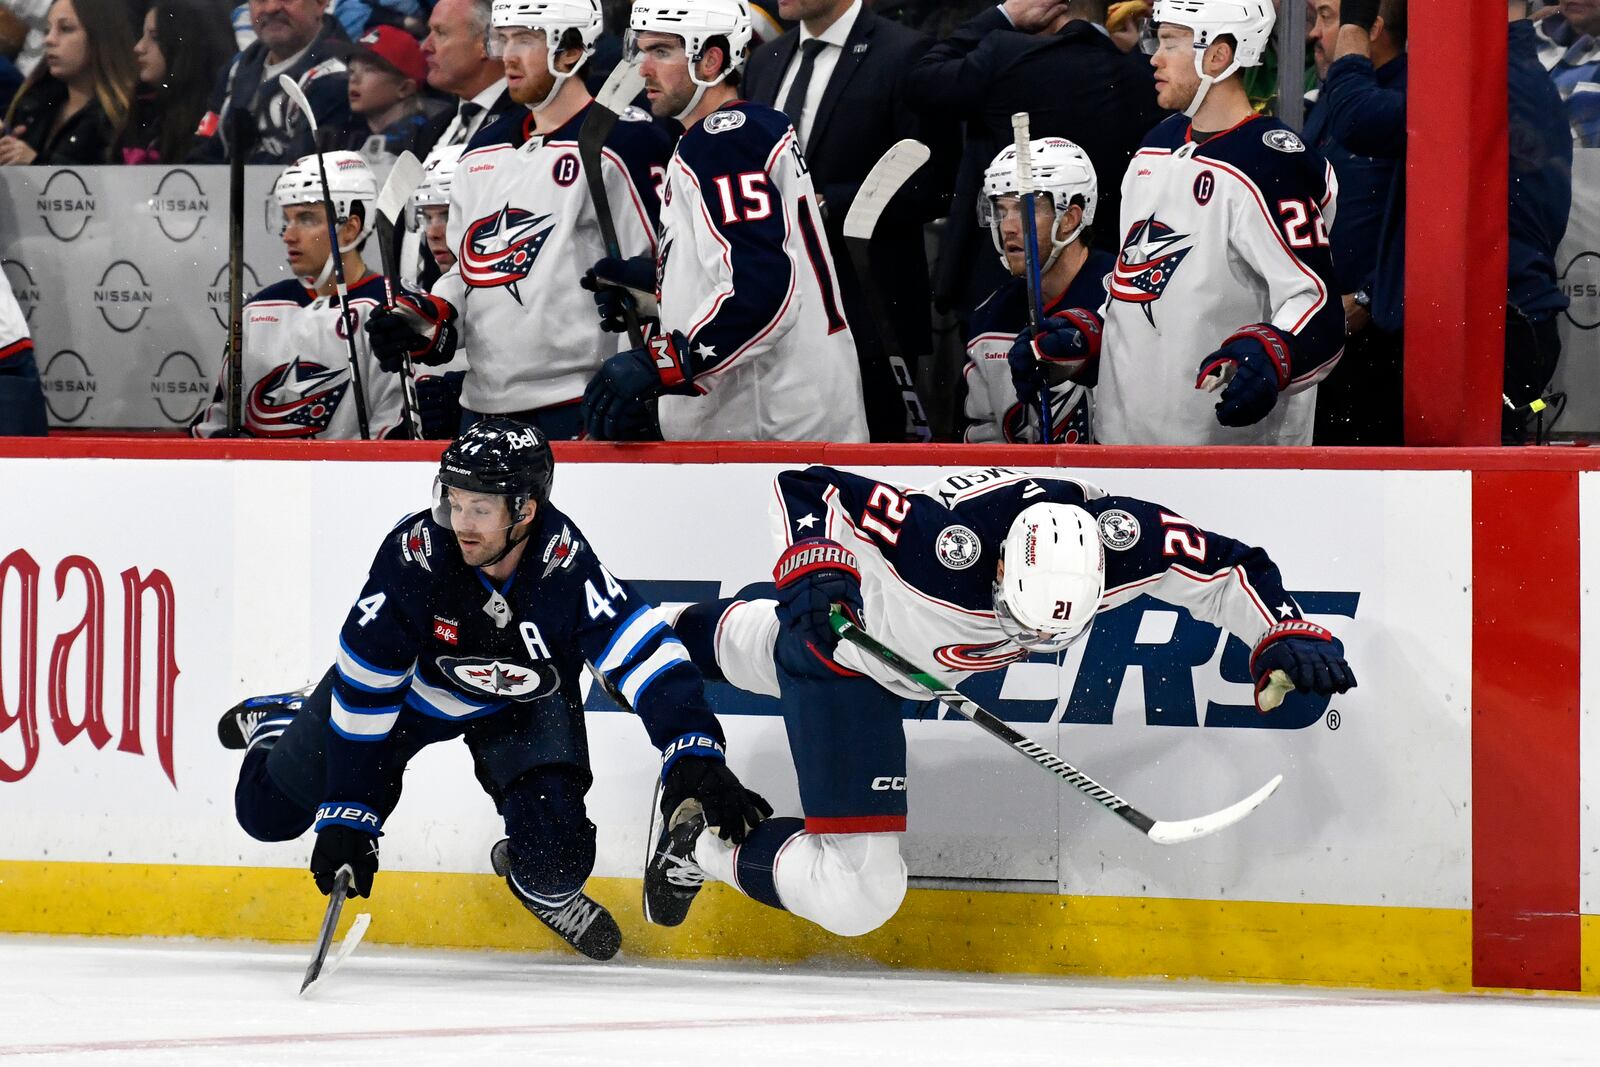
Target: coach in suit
<point>841,78</point>
<point>456,51</point>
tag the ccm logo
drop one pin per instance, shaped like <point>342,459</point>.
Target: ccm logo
<point>883,784</point>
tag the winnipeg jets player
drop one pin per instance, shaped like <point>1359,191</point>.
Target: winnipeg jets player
<point>1225,274</point>
<point>967,575</point>
<point>297,378</point>
<point>477,620</point>
<point>523,230</point>
<point>1072,275</point>
<point>752,342</point>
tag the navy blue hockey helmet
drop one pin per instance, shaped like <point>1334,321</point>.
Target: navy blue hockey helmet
<point>500,457</point>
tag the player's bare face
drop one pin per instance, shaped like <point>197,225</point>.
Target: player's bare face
<point>434,222</point>
<point>665,66</point>
<point>527,62</point>
<point>305,238</point>
<point>1176,79</point>
<point>481,523</point>
<point>1014,234</point>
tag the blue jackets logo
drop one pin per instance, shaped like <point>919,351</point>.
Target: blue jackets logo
<point>499,249</point>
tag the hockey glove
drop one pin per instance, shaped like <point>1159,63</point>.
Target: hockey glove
<point>1310,658</point>
<point>1067,344</point>
<point>1362,13</point>
<point>1250,368</point>
<point>439,405</point>
<point>616,403</point>
<point>610,279</point>
<point>347,836</point>
<point>812,576</point>
<point>420,325</point>
<point>731,810</point>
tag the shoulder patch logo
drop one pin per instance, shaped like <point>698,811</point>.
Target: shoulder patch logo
<point>1283,141</point>
<point>1119,531</point>
<point>634,114</point>
<point>957,547</point>
<point>723,121</point>
<point>416,544</point>
<point>560,551</point>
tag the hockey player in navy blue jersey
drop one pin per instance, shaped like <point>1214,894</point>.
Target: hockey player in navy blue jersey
<point>969,574</point>
<point>752,342</point>
<point>1225,277</point>
<point>476,620</point>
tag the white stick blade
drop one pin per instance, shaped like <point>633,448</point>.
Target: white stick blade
<point>404,177</point>
<point>622,86</point>
<point>1177,833</point>
<point>888,175</point>
<point>336,958</point>
<point>292,90</point>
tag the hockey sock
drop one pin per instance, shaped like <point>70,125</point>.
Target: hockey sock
<point>748,868</point>
<point>696,627</point>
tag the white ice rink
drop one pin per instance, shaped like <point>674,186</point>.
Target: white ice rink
<point>142,1002</point>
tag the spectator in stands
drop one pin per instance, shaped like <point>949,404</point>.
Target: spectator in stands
<point>293,37</point>
<point>1055,61</point>
<point>358,16</point>
<point>1569,48</point>
<point>1539,202</point>
<point>1359,126</point>
<point>73,106</point>
<point>385,76</point>
<point>456,51</point>
<point>185,44</point>
<point>840,76</point>
<point>31,13</point>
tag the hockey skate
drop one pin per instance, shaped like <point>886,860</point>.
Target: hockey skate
<point>239,724</point>
<point>673,877</point>
<point>581,922</point>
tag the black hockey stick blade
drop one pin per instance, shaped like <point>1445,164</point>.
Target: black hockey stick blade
<point>1025,189</point>
<point>622,85</point>
<point>1161,832</point>
<point>238,132</point>
<point>330,920</point>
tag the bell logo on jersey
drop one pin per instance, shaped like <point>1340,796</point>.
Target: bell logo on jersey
<point>1149,258</point>
<point>506,681</point>
<point>296,399</point>
<point>499,249</point>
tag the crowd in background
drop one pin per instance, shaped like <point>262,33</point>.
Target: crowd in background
<point>136,82</point>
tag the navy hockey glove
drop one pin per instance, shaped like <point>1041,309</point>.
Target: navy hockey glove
<point>610,279</point>
<point>812,576</point>
<point>1251,368</point>
<point>1362,13</point>
<point>695,770</point>
<point>420,325</point>
<point>615,405</point>
<point>1310,659</point>
<point>439,405</point>
<point>347,836</point>
<point>1068,343</point>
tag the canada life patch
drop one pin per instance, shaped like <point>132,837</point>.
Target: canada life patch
<point>1119,531</point>
<point>446,630</point>
<point>957,547</point>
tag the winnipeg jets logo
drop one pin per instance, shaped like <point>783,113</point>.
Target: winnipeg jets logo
<point>508,681</point>
<point>499,249</point>
<point>1150,257</point>
<point>295,399</point>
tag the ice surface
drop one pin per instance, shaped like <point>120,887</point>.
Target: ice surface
<point>161,1002</point>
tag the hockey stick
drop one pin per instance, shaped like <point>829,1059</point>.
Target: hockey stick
<point>404,177</point>
<point>321,966</point>
<point>1030,237</point>
<point>241,128</point>
<point>1162,833</point>
<point>293,91</point>
<point>622,85</point>
<point>886,178</point>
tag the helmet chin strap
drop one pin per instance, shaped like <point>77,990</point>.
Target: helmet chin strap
<point>1206,81</point>
<point>511,543</point>
<point>700,91</point>
<point>316,283</point>
<point>559,76</point>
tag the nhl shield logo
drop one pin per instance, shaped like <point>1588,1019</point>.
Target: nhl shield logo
<point>500,679</point>
<point>1119,531</point>
<point>957,547</point>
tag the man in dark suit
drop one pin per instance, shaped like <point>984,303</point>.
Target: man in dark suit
<point>456,51</point>
<point>1054,60</point>
<point>841,78</point>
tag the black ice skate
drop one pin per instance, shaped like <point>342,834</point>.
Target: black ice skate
<point>581,922</point>
<point>673,877</point>
<point>256,719</point>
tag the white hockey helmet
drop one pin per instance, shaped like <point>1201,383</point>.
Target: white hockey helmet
<point>1248,22</point>
<point>438,171</point>
<point>696,22</point>
<point>1055,574</point>
<point>553,18</point>
<point>1061,169</point>
<point>350,182</point>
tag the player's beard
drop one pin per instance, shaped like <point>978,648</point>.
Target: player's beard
<point>533,88</point>
<point>487,547</point>
<point>670,105</point>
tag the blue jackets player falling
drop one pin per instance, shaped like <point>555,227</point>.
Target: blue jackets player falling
<point>969,574</point>
<point>470,624</point>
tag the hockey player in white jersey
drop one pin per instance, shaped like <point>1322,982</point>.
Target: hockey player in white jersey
<point>1072,275</point>
<point>752,342</point>
<point>22,411</point>
<point>969,574</point>
<point>1225,273</point>
<point>297,378</point>
<point>523,230</point>
<point>432,201</point>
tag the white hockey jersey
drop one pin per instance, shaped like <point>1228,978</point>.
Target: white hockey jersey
<point>297,381</point>
<point>1216,237</point>
<point>745,274</point>
<point>14,336</point>
<point>524,231</point>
